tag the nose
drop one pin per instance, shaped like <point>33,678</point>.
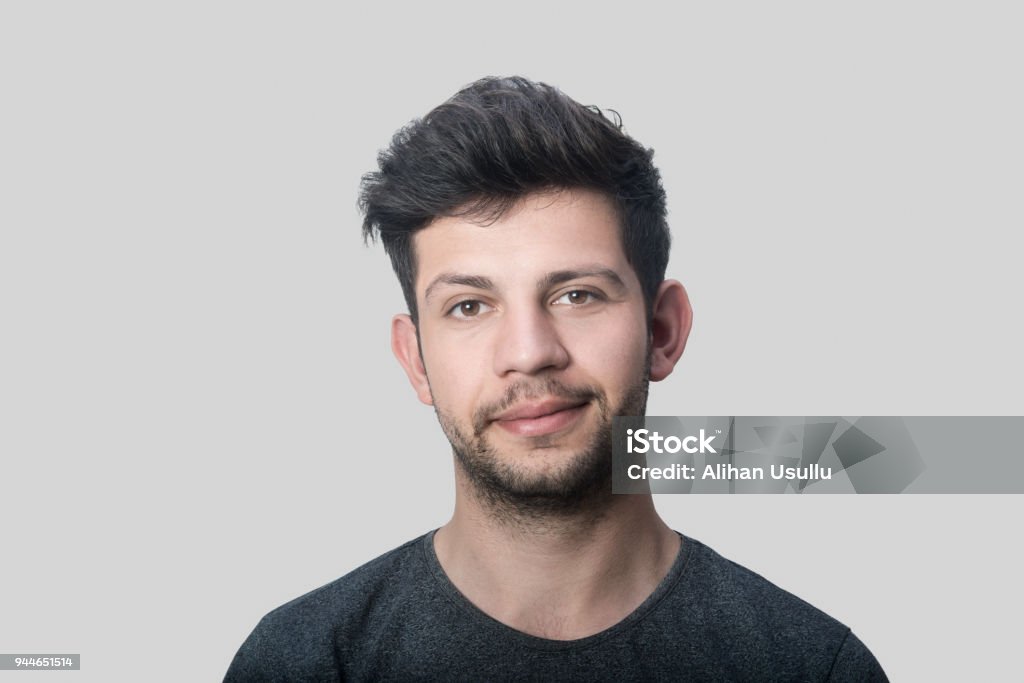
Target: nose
<point>528,343</point>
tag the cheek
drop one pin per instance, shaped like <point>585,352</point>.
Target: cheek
<point>452,369</point>
<point>613,353</point>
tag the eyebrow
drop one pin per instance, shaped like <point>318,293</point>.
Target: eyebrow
<point>475,281</point>
<point>560,276</point>
<point>550,280</point>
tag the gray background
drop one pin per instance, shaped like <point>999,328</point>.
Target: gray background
<point>198,405</point>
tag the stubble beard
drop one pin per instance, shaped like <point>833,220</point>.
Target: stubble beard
<point>513,494</point>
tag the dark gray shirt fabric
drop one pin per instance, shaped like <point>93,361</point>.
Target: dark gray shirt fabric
<point>399,618</point>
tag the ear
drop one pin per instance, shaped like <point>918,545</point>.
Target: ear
<point>406,348</point>
<point>670,327</point>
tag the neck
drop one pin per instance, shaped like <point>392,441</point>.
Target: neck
<point>560,575</point>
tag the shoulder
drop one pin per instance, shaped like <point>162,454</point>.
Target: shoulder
<point>302,635</point>
<point>350,595</point>
<point>753,602</point>
<point>738,605</point>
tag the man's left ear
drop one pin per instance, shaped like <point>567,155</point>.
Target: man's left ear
<point>670,326</point>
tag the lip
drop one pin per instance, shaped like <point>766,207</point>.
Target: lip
<point>540,418</point>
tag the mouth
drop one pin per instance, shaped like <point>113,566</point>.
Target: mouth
<point>541,419</point>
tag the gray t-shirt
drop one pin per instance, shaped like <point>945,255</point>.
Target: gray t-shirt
<point>399,618</point>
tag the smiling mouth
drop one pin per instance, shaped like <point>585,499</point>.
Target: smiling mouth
<point>539,423</point>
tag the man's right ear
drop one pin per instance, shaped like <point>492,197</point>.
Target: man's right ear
<point>406,348</point>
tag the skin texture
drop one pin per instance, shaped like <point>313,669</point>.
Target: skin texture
<point>533,334</point>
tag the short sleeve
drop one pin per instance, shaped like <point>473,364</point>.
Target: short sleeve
<point>854,662</point>
<point>248,664</point>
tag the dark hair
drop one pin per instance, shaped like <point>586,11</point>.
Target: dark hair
<point>497,141</point>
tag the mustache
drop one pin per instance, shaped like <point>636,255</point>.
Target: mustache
<point>525,391</point>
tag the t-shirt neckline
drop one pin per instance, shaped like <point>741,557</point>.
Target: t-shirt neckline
<point>502,630</point>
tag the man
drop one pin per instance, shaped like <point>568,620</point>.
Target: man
<point>529,235</point>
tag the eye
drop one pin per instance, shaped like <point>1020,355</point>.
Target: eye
<point>470,308</point>
<point>578,297</point>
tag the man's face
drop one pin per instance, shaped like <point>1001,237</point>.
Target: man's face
<point>533,335</point>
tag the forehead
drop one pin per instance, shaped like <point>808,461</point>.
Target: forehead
<point>541,233</point>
